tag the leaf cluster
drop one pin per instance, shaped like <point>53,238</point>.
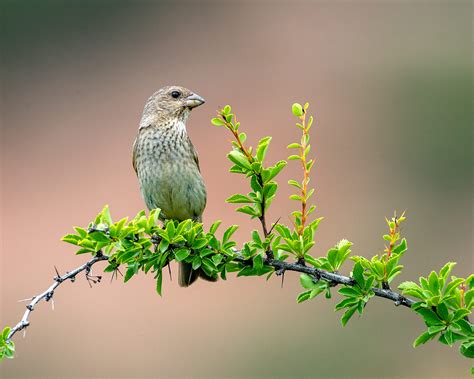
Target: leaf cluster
<point>145,244</point>
<point>250,163</point>
<point>445,304</point>
<point>7,347</point>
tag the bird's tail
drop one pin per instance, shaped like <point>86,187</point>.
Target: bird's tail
<point>188,276</point>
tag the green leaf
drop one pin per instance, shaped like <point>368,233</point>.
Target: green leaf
<point>347,315</point>
<point>199,243</point>
<point>451,287</point>
<point>72,239</point>
<point>274,171</point>
<point>262,148</point>
<point>442,311</point>
<point>297,109</point>
<point>429,316</point>
<point>295,197</point>
<point>132,270</point>
<point>217,121</point>
<point>423,338</point>
<point>159,282</point>
<point>306,281</point>
<point>217,259</point>
<point>196,262</point>
<point>228,233</point>
<point>358,274</point>
<point>258,263</point>
<point>460,314</point>
<point>247,209</point>
<point>446,270</point>
<point>164,244</point>
<point>411,288</point>
<point>436,329</point>
<point>106,216</point>
<point>346,303</point>
<point>400,248</point>
<point>82,232</point>
<point>5,333</point>
<point>303,296</point>
<point>238,198</point>
<point>350,291</point>
<point>182,254</point>
<point>294,183</point>
<point>467,349</point>
<point>433,282</point>
<point>214,227</point>
<point>99,236</point>
<point>239,159</point>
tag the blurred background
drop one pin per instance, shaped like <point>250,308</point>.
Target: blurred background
<point>390,85</point>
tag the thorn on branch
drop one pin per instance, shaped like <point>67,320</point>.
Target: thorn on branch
<point>280,271</point>
<point>115,273</point>
<point>274,224</point>
<point>57,278</point>
<point>93,279</point>
<point>29,299</point>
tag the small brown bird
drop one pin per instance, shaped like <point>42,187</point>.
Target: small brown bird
<point>167,164</point>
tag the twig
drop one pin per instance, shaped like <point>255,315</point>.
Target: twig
<point>48,294</point>
<point>333,278</point>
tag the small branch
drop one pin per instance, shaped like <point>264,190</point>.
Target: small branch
<point>333,278</point>
<point>48,294</point>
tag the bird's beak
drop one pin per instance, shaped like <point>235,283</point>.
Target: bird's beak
<point>194,100</point>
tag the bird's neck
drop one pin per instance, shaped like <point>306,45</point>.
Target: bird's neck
<point>159,119</point>
<point>175,126</point>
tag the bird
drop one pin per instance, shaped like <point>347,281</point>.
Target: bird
<point>167,164</point>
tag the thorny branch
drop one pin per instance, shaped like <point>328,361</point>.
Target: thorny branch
<point>280,268</point>
<point>48,294</point>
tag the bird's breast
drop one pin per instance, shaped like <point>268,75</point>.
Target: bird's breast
<point>168,173</point>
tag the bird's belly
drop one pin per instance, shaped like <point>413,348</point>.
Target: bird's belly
<point>174,186</point>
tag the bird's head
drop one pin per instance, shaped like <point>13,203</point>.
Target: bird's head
<point>168,104</point>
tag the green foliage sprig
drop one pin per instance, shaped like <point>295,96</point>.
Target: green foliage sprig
<point>7,347</point>
<point>252,165</point>
<point>299,240</point>
<point>144,244</point>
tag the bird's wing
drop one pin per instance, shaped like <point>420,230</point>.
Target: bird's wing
<point>195,155</point>
<point>134,155</point>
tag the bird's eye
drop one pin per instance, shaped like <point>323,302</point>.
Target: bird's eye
<point>175,94</point>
